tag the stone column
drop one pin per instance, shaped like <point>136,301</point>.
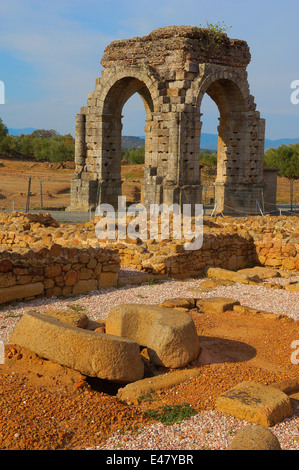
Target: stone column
<point>80,144</point>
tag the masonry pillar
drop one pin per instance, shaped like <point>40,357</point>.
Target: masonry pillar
<point>83,188</point>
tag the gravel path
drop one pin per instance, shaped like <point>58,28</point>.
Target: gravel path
<point>98,304</point>
<point>207,429</point>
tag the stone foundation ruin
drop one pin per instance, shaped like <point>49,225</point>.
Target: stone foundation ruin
<point>41,257</point>
<point>172,69</point>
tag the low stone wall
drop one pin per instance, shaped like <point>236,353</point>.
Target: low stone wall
<point>229,251</point>
<point>279,254</point>
<point>69,259</point>
<point>229,243</point>
<point>55,270</point>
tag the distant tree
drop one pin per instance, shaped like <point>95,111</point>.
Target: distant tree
<point>25,145</point>
<point>286,158</point>
<point>8,145</point>
<point>45,133</point>
<point>41,144</point>
<point>3,130</point>
<point>208,158</point>
<point>134,155</point>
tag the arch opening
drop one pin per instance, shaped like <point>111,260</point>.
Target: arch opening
<point>109,170</point>
<point>208,151</point>
<point>235,168</point>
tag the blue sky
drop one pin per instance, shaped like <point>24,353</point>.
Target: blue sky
<point>51,51</point>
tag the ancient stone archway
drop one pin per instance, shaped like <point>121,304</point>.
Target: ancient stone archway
<point>172,68</point>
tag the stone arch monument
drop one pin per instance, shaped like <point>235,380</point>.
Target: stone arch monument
<point>172,68</point>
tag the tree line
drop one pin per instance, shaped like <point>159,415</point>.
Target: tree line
<point>49,145</point>
<point>44,145</point>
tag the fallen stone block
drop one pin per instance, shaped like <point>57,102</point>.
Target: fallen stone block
<point>93,354</point>
<point>254,437</point>
<point>19,292</point>
<point>256,403</point>
<point>169,335</point>
<point>260,271</point>
<point>226,275</point>
<point>243,310</point>
<point>216,304</point>
<point>134,392</point>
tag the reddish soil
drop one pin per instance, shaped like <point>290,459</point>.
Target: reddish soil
<point>46,406</point>
<point>56,180</point>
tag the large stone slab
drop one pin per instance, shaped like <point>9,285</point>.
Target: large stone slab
<point>19,292</point>
<point>227,275</point>
<point>93,354</point>
<point>133,392</point>
<point>169,335</point>
<point>256,403</point>
<point>261,271</point>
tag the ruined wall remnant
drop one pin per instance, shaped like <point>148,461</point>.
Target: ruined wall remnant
<point>172,68</point>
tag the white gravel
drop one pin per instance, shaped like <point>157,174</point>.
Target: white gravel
<point>206,430</point>
<point>98,303</point>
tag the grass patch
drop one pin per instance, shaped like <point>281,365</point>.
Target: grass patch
<point>77,308</point>
<point>148,397</point>
<point>170,415</point>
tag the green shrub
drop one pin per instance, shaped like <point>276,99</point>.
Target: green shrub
<point>41,144</point>
<point>170,415</point>
<point>134,155</point>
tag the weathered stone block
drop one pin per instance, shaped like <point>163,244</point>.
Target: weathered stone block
<point>20,292</point>
<point>169,335</point>
<point>107,279</point>
<point>254,438</point>
<point>255,403</point>
<point>85,286</point>
<point>216,304</point>
<point>93,354</point>
<point>53,270</point>
<point>225,274</point>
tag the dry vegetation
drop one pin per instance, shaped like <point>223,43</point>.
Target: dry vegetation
<point>56,180</point>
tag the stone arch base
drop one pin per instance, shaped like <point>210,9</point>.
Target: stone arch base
<point>172,69</point>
